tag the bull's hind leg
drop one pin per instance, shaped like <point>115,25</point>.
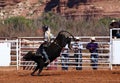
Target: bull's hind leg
<point>41,65</point>
<point>37,67</point>
<point>40,70</point>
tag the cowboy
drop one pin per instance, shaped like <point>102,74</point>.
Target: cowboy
<point>64,57</point>
<point>77,48</point>
<point>115,24</point>
<point>47,39</point>
<point>41,50</point>
<point>93,49</point>
<point>47,33</point>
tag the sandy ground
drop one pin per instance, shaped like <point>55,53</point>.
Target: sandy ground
<point>60,76</point>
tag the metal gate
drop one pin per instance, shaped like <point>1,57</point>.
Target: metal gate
<point>13,51</point>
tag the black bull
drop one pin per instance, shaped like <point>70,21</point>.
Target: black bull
<point>53,51</point>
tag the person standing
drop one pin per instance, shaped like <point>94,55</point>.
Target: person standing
<point>77,48</point>
<point>93,49</point>
<point>115,24</point>
<point>65,57</point>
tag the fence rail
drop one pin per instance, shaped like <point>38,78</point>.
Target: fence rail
<point>20,46</point>
<point>33,43</point>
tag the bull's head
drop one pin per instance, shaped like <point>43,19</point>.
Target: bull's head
<point>28,56</point>
<point>64,39</point>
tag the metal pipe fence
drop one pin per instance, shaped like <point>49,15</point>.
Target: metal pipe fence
<point>104,60</point>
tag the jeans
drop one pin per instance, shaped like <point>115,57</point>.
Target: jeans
<point>94,60</point>
<point>64,59</point>
<point>78,60</point>
<point>45,54</point>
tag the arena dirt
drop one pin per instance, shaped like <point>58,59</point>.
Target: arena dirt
<point>60,76</point>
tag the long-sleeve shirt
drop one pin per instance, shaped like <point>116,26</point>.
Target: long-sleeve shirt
<point>77,46</point>
<point>48,35</point>
<point>93,47</point>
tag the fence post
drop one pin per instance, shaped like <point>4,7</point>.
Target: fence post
<point>17,54</point>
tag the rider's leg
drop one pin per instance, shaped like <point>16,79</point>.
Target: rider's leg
<point>46,56</point>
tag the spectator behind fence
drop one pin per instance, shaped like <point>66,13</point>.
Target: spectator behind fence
<point>64,57</point>
<point>115,24</point>
<point>77,48</point>
<point>93,49</point>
